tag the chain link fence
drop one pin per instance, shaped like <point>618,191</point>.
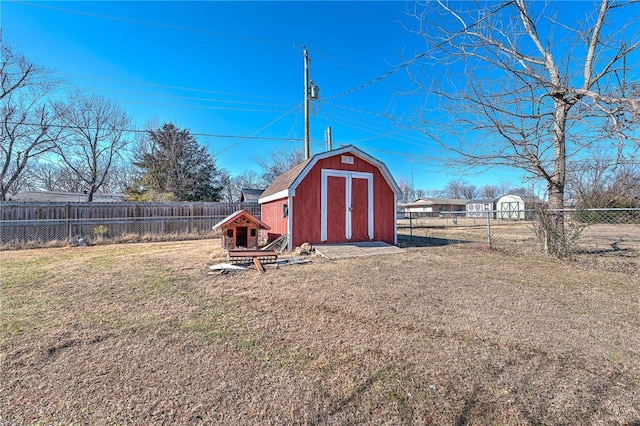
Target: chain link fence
<point>591,232</point>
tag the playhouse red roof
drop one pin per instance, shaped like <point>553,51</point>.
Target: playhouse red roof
<point>238,214</point>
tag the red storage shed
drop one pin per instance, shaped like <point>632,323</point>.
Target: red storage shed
<point>337,196</point>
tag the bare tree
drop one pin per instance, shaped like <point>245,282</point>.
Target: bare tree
<point>121,175</point>
<point>460,189</point>
<point>249,179</point>
<point>93,140</point>
<point>50,175</point>
<point>279,161</point>
<point>596,183</point>
<point>534,84</point>
<point>489,191</point>
<point>23,182</point>
<point>433,193</point>
<point>233,185</point>
<point>494,191</point>
<point>29,121</point>
<point>228,193</point>
<point>408,194</point>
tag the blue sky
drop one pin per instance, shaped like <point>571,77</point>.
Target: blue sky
<point>236,69</point>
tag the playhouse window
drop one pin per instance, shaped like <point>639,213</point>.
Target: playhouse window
<point>252,232</point>
<point>285,210</point>
<point>230,233</point>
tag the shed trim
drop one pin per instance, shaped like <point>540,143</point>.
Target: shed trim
<point>355,151</point>
<point>278,195</point>
<point>290,223</point>
<point>306,167</point>
<point>348,175</point>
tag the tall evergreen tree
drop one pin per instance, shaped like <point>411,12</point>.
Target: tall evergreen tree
<point>174,166</point>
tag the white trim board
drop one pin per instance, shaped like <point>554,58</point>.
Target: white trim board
<point>348,176</point>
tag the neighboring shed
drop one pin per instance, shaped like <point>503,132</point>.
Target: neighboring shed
<point>240,229</point>
<point>250,195</point>
<point>510,206</point>
<point>481,207</point>
<point>434,206</point>
<point>337,196</point>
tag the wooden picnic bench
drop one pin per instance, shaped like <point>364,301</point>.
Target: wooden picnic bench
<point>240,256</point>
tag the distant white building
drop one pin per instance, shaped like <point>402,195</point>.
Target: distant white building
<point>434,206</point>
<point>481,207</point>
<point>510,206</point>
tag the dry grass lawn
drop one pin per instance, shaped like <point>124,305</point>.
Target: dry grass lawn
<point>448,335</point>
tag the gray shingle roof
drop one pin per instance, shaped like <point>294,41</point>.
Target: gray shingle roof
<point>284,181</point>
<point>251,194</point>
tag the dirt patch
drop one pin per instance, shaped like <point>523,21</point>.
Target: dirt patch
<point>448,334</point>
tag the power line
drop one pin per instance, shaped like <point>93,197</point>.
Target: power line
<point>371,128</point>
<point>210,135</point>
<point>186,98</point>
<point>419,56</point>
<point>168,86</point>
<point>209,107</point>
<point>261,129</point>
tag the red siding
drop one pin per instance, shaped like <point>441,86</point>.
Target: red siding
<point>384,210</point>
<point>360,210</point>
<point>307,209</point>
<point>306,214</point>
<point>272,216</point>
<point>336,222</point>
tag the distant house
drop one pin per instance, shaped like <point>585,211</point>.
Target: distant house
<point>66,197</point>
<point>250,195</point>
<point>434,206</point>
<point>337,196</point>
<point>482,207</point>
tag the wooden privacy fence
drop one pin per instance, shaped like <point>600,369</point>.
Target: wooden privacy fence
<point>46,222</point>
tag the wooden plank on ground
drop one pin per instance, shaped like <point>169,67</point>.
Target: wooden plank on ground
<point>256,262</point>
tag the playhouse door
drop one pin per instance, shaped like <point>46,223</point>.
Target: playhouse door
<point>347,206</point>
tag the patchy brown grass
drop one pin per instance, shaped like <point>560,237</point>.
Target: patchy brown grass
<point>144,334</point>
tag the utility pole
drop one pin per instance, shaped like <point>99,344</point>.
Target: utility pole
<point>307,152</point>
<point>329,140</point>
<point>311,91</point>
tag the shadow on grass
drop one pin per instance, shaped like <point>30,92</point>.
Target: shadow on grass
<point>382,376</point>
<point>612,252</point>
<point>405,241</point>
<point>341,403</point>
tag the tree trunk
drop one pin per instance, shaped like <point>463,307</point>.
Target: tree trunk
<point>555,241</point>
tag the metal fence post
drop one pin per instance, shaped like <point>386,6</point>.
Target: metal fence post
<point>411,224</point>
<point>489,228</point>
<point>67,222</point>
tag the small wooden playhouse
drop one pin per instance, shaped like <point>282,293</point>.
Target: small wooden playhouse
<point>337,196</point>
<point>240,229</point>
